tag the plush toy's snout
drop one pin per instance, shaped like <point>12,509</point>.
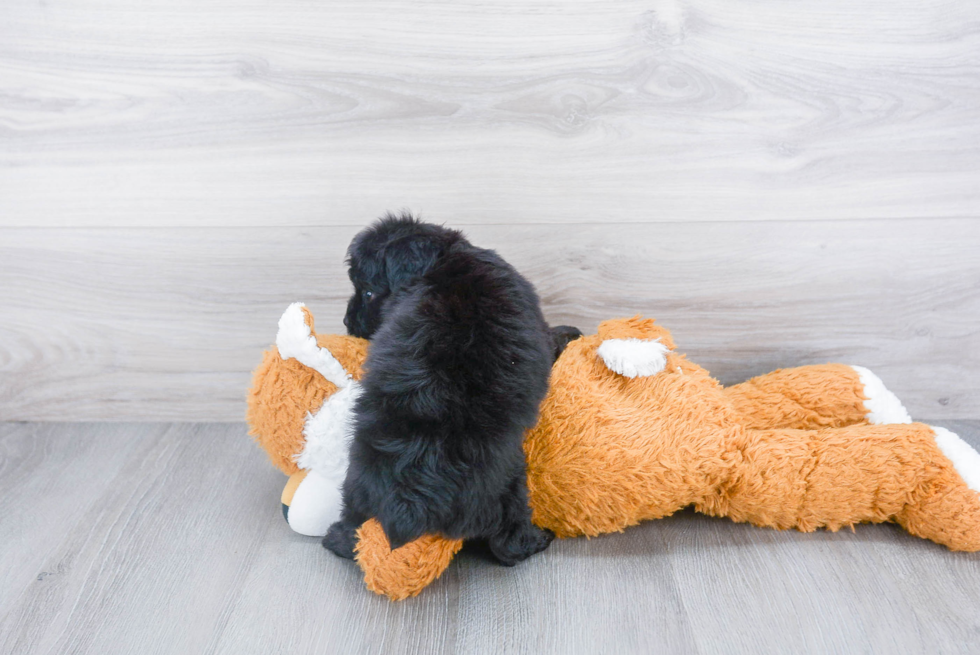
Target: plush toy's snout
<point>289,491</point>
<point>311,503</point>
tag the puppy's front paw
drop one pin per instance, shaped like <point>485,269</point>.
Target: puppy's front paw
<point>520,544</point>
<point>341,539</point>
<point>561,336</point>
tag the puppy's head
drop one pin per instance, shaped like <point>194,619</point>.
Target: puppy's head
<point>385,258</point>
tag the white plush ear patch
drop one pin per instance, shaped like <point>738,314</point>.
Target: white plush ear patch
<point>634,357</point>
<point>296,340</point>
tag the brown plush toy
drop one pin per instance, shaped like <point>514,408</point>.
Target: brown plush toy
<point>631,431</point>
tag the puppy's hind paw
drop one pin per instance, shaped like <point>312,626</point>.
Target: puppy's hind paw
<point>517,546</point>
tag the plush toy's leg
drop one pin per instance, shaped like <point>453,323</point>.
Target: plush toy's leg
<point>949,511</point>
<point>811,397</point>
<point>926,479</point>
<point>404,572</point>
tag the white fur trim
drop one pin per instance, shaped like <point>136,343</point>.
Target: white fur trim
<point>965,459</point>
<point>883,406</point>
<point>296,340</point>
<point>315,506</point>
<point>317,501</point>
<point>328,434</point>
<point>634,357</point>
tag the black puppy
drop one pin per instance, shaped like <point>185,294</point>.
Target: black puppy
<point>458,364</point>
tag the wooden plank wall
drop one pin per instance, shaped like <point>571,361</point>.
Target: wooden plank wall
<point>779,183</point>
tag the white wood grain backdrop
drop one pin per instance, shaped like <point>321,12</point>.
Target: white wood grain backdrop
<point>781,183</point>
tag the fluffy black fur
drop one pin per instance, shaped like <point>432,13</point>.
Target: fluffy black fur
<point>458,364</point>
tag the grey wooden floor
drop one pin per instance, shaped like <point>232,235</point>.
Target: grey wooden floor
<point>167,538</point>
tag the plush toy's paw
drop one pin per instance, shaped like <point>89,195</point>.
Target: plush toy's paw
<point>883,406</point>
<point>515,547</point>
<point>965,459</point>
<point>341,539</point>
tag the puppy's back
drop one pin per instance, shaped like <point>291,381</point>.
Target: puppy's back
<point>454,377</point>
<point>466,346</point>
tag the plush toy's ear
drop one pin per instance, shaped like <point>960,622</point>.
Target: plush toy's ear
<point>295,340</point>
<point>634,357</point>
<point>635,328</point>
<point>404,572</point>
<point>634,347</point>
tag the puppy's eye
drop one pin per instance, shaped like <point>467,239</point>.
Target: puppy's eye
<point>368,295</point>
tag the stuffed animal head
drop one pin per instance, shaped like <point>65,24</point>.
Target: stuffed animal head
<point>299,410</point>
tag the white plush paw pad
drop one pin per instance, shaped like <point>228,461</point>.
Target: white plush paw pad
<point>883,406</point>
<point>634,357</point>
<point>296,340</point>
<point>965,459</point>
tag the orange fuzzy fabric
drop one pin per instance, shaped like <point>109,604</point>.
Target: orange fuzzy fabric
<point>805,398</point>
<point>838,477</point>
<point>407,570</point>
<point>791,449</point>
<point>610,451</point>
<point>282,393</point>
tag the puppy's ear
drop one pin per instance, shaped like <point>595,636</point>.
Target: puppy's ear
<point>408,259</point>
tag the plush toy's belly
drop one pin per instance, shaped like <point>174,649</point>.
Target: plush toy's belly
<point>610,451</point>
